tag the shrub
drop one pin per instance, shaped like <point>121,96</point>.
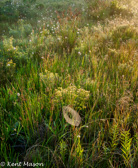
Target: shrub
<point>9,51</point>
<point>72,96</point>
<point>21,30</point>
<point>8,12</point>
<point>40,6</point>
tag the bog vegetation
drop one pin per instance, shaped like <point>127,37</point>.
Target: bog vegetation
<point>80,54</point>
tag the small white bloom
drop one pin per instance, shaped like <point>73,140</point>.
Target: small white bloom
<point>78,136</point>
<point>8,64</point>
<point>18,94</point>
<point>65,37</point>
<point>79,53</point>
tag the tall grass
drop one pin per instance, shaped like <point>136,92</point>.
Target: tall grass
<point>83,58</point>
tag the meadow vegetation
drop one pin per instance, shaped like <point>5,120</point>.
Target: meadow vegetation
<point>82,54</point>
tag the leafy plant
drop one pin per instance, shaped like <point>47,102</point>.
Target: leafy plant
<point>126,143</point>
<point>114,137</point>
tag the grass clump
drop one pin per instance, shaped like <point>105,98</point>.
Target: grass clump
<point>102,10</point>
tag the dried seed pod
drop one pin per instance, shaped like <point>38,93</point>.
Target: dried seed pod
<point>75,119</point>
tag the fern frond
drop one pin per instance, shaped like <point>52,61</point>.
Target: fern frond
<point>126,142</point>
<point>114,137</point>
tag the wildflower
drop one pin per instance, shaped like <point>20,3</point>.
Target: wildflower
<point>8,64</point>
<point>79,53</point>
<point>78,32</point>
<point>18,94</point>
<point>78,136</point>
<point>65,37</point>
